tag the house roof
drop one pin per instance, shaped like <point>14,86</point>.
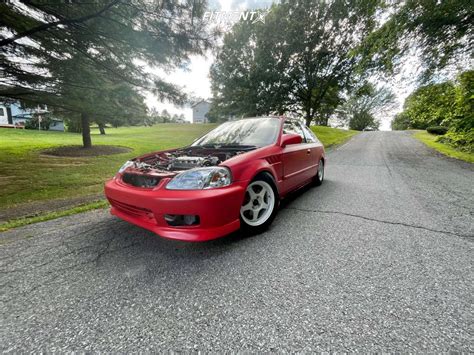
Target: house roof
<point>197,103</point>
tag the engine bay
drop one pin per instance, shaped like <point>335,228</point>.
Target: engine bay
<point>185,159</point>
<point>148,170</point>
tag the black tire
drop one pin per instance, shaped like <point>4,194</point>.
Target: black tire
<point>265,179</point>
<point>319,178</point>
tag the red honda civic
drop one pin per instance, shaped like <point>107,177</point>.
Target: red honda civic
<point>233,177</point>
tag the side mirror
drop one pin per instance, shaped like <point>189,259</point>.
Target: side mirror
<point>287,139</point>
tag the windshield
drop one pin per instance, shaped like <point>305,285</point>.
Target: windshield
<point>255,132</point>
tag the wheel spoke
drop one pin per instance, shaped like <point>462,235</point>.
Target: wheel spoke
<point>252,194</point>
<point>246,207</point>
<point>255,215</point>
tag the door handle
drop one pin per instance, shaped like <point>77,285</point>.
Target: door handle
<point>308,151</point>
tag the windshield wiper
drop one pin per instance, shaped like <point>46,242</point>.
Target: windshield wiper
<point>236,145</point>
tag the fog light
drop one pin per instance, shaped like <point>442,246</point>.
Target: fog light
<point>189,219</point>
<point>179,220</point>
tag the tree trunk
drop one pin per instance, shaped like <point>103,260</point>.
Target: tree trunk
<point>101,128</point>
<point>86,130</point>
<point>308,118</point>
<point>324,120</point>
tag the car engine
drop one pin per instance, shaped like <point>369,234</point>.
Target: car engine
<point>186,162</point>
<point>179,160</point>
<point>147,171</point>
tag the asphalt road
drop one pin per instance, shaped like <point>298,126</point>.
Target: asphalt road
<point>379,258</point>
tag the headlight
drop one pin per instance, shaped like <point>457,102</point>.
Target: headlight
<point>201,178</point>
<point>125,166</point>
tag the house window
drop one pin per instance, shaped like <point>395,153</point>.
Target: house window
<point>2,111</point>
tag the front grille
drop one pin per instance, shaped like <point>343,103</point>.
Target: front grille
<point>140,180</point>
<point>132,210</point>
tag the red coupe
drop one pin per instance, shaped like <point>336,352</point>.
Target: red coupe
<point>232,177</point>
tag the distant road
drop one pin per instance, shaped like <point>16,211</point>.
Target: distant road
<point>379,258</point>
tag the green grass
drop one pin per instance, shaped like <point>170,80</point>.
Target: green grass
<point>26,175</point>
<point>19,222</point>
<point>430,141</point>
<point>332,136</point>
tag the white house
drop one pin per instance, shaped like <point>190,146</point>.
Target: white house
<point>14,115</point>
<point>5,115</point>
<point>200,110</point>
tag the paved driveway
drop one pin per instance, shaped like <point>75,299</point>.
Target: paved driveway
<point>379,258</point>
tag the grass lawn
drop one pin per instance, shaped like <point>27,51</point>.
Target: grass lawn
<point>430,141</point>
<point>332,136</point>
<point>26,175</point>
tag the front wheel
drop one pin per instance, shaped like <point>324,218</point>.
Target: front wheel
<point>318,179</point>
<point>260,205</point>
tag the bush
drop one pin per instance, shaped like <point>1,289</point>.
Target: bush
<point>463,141</point>
<point>73,124</point>
<point>32,123</point>
<point>439,130</point>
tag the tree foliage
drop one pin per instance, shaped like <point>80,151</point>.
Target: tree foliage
<point>88,60</point>
<point>440,30</point>
<point>430,105</point>
<point>298,61</point>
<point>364,104</point>
<point>449,104</point>
<point>400,122</point>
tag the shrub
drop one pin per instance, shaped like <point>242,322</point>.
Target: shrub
<point>32,123</point>
<point>73,124</point>
<point>439,130</point>
<point>463,141</point>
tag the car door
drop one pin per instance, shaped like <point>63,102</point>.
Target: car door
<point>295,158</point>
<point>315,149</point>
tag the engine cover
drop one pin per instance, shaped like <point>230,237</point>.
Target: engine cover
<point>187,162</point>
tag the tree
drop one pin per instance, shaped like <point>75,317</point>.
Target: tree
<point>363,120</point>
<point>430,105</point>
<point>462,120</point>
<point>166,117</point>
<point>364,104</point>
<point>441,30</point>
<point>233,76</point>
<point>450,104</point>
<point>299,60</point>
<point>400,122</point>
<point>152,117</point>
<point>86,60</point>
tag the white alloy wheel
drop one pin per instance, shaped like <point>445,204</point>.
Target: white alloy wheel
<point>259,203</point>
<point>321,170</point>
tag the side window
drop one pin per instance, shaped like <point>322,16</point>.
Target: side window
<point>293,128</point>
<point>2,111</point>
<point>310,136</point>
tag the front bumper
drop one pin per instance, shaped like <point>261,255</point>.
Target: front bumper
<point>218,209</point>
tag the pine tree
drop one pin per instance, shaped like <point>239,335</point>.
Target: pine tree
<point>87,60</point>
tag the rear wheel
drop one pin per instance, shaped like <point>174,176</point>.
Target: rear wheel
<point>318,179</point>
<point>260,204</point>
